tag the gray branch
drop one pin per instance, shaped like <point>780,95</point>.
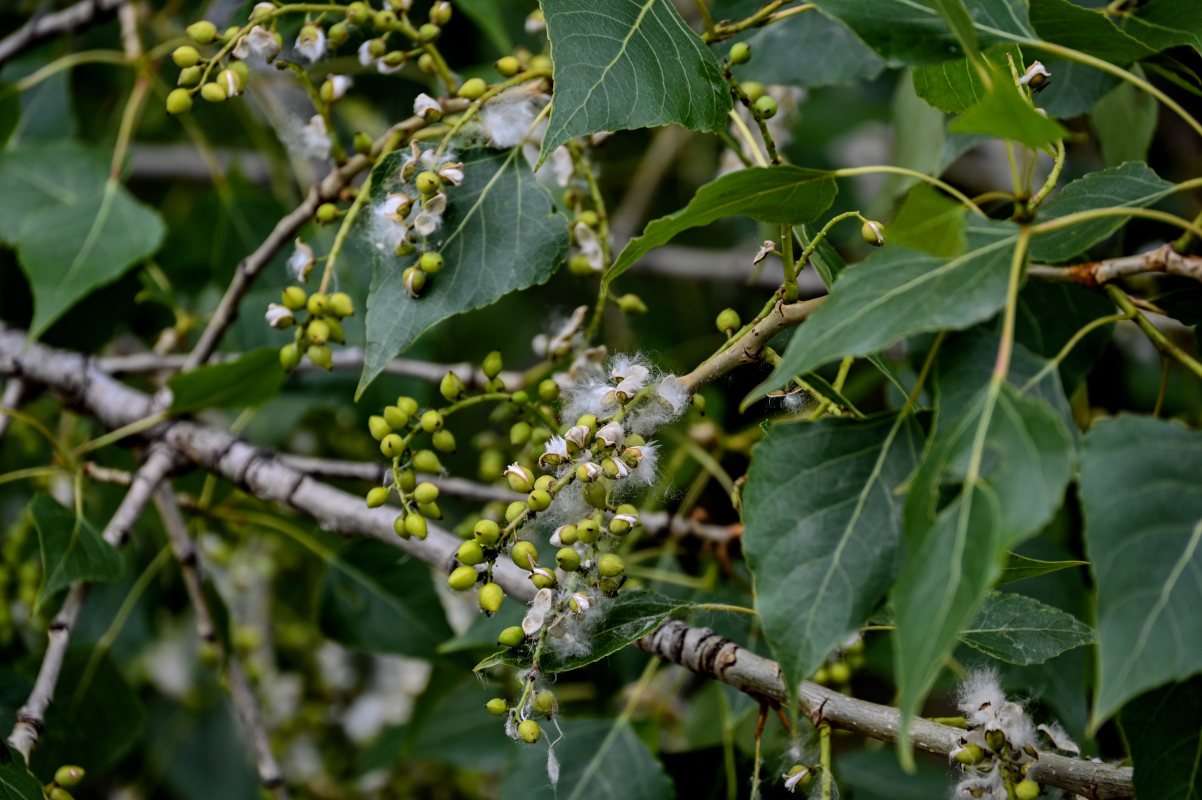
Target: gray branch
<point>44,26</point>
<point>269,477</point>
<point>243,695</point>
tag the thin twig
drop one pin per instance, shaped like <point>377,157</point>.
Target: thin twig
<point>243,695</point>
<point>31,717</point>
<point>57,23</point>
<point>14,392</point>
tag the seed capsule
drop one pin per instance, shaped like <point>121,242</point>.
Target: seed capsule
<point>528,731</point>
<point>490,597</point>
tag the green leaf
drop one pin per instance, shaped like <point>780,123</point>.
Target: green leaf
<point>499,234</point>
<point>1074,88</point>
<point>251,380</point>
<point>599,759</point>
<point>948,571</point>
<point>913,32</point>
<point>1127,185</point>
<point>952,86</point>
<point>96,717</point>
<point>961,25</point>
<point>1125,122</point>
<point>780,195</point>
<point>1022,630</point>
<point>1027,455</point>
<point>1143,524</point>
<point>1163,730</point>
<point>1089,31</point>
<point>457,732</point>
<point>84,242</point>
<point>488,16</point>
<point>608,627</point>
<point>1020,567</point>
<point>1004,112</point>
<point>35,178</point>
<point>929,221</point>
<point>809,50</point>
<point>824,543</point>
<point>892,294</point>
<point>10,111</point>
<point>623,64</point>
<point>1050,314</point>
<point>378,599</point>
<point>72,550</point>
<point>16,782</point>
<point>1161,24</point>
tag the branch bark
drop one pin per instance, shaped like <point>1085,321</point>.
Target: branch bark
<point>45,26</point>
<point>268,477</point>
<point>1095,274</point>
<point>245,703</point>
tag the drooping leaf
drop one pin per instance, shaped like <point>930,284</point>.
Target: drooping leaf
<point>949,569</point>
<point>16,782</point>
<point>95,719</point>
<point>779,195</point>
<point>378,599</point>
<point>1131,184</point>
<point>1005,113</point>
<point>1125,122</point>
<point>72,550</point>
<point>1143,525</point>
<point>1020,567</point>
<point>1074,88</point>
<point>78,245</point>
<point>623,64</point>
<point>252,379</point>
<point>488,16</point>
<point>1022,630</point>
<point>1084,29</point>
<point>914,33</point>
<point>499,234</point>
<point>1050,314</point>
<point>930,222</point>
<point>598,759</point>
<point>1027,454</point>
<point>824,543</point>
<point>1161,24</point>
<point>809,50</point>
<point>1163,728</point>
<point>892,294</point>
<point>605,630</point>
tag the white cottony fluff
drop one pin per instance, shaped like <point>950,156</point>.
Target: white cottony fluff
<point>980,696</point>
<point>508,118</point>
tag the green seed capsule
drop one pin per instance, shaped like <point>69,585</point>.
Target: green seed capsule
<point>543,703</point>
<point>395,418</point>
<point>1026,790</point>
<point>407,404</point>
<point>378,427</point>
<point>508,66</point>
<point>392,445</point>
<point>377,497</point>
<point>431,421</point>
<point>764,107</point>
<point>515,509</point>
<point>520,397</point>
<point>568,559</point>
<point>203,32</point>
<point>497,707</point>
<point>428,33</point>
<point>487,532</point>
<point>528,731</point>
<point>431,263</point>
<point>294,298</point>
<point>407,480</point>
<point>490,597</point>
<point>341,305</point>
<point>429,510</point>
<point>753,89</point>
<point>290,356</point>
<point>425,493</point>
<point>317,331</point>
<point>462,578</point>
<point>740,53</point>
<point>610,565</point>
<point>539,500</point>
<point>68,776</point>
<point>511,636</point>
<point>728,321</point>
<point>416,525</point>
<point>873,232</point>
<point>452,387</point>
<point>519,434</point>
<point>444,441</point>
<point>840,672</point>
<point>970,754</point>
<point>187,77</point>
<point>428,183</point>
<point>398,525</point>
<point>472,89</point>
<point>186,56</point>
<point>321,356</point>
<point>493,364</point>
<point>525,555</point>
<point>318,304</point>
<point>427,461</point>
<point>587,531</point>
<point>594,495</point>
<point>548,390</point>
<point>470,553</point>
<point>179,101</point>
<point>213,92</point>
<point>568,534</point>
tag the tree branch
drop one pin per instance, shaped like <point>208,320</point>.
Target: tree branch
<point>1095,274</point>
<point>31,717</point>
<point>243,695</point>
<point>46,26</point>
<point>14,392</point>
<point>268,477</point>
